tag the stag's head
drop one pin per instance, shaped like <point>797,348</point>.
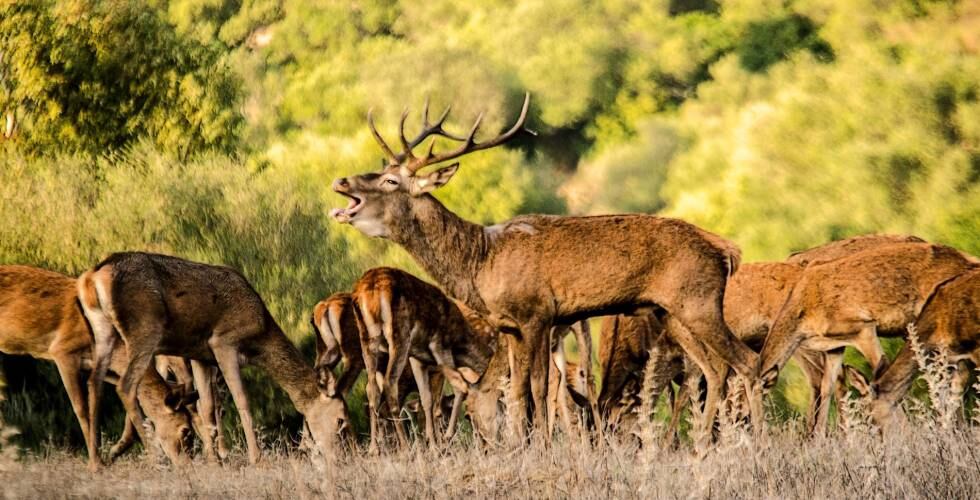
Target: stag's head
<point>381,201</point>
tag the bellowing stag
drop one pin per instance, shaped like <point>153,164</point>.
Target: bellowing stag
<point>534,272</point>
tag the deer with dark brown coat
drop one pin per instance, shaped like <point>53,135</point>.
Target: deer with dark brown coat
<point>535,272</point>
<point>417,325</point>
<point>160,304</point>
<point>950,320</point>
<point>40,317</point>
<point>854,300</point>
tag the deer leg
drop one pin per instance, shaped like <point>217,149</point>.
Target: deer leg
<point>227,358</point>
<point>869,346</point>
<point>425,397</point>
<point>833,362</point>
<point>561,396</point>
<point>141,351</point>
<point>202,377</point>
<point>538,337</point>
<point>712,366</point>
<point>125,441</point>
<point>520,379</point>
<point>373,391</point>
<point>397,360</point>
<point>444,358</point>
<point>672,438</point>
<point>812,363</point>
<point>347,378</point>
<point>960,380</point>
<point>69,367</point>
<point>583,336</point>
<point>104,343</point>
<point>706,323</point>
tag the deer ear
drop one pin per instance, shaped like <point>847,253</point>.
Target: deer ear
<point>327,382</point>
<point>435,179</point>
<point>857,381</point>
<point>179,399</point>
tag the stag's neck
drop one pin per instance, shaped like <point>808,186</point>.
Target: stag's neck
<point>452,250</point>
<point>284,363</point>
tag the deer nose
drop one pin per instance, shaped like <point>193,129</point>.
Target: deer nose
<point>340,184</point>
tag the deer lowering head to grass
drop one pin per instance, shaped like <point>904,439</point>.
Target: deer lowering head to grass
<point>40,317</point>
<point>853,300</point>
<point>536,272</point>
<point>950,320</point>
<point>417,325</point>
<point>201,379</point>
<point>165,305</point>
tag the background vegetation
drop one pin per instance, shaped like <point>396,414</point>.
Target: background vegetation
<point>212,129</point>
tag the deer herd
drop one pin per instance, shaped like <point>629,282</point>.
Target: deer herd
<point>494,329</point>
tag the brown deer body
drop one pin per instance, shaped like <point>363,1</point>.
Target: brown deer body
<point>165,305</point>
<point>535,272</point>
<point>949,320</point>
<point>40,317</point>
<point>416,324</point>
<point>853,300</point>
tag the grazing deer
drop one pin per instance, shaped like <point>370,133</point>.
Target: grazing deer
<point>847,247</point>
<point>535,272</point>
<point>416,324</point>
<point>950,320</point>
<point>165,305</point>
<point>203,380</point>
<point>335,328</point>
<point>853,300</point>
<point>40,317</point>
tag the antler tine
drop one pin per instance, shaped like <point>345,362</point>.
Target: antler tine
<point>469,143</point>
<point>377,137</point>
<point>406,147</point>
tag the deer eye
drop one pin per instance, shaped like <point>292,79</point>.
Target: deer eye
<point>391,181</point>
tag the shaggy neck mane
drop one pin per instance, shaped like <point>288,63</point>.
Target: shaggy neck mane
<point>452,250</point>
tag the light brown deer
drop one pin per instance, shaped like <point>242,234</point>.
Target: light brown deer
<point>950,320</point>
<point>40,317</point>
<point>853,300</point>
<point>416,324</point>
<point>165,305</point>
<point>535,272</point>
<point>753,299</point>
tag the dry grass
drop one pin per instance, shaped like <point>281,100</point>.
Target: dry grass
<point>923,463</point>
<point>931,456</point>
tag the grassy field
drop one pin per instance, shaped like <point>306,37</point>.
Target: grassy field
<point>915,462</point>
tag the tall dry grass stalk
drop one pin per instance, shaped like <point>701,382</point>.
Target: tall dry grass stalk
<point>939,374</point>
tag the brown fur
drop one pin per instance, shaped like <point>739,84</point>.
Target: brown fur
<point>534,272</point>
<point>950,320</point>
<point>165,305</point>
<point>852,300</point>
<point>203,380</point>
<point>415,323</point>
<point>40,317</point>
<point>846,247</point>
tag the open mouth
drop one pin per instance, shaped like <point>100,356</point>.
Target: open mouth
<point>354,204</point>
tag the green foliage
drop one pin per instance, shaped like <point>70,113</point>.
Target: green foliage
<point>93,76</point>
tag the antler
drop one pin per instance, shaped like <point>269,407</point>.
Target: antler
<point>412,163</point>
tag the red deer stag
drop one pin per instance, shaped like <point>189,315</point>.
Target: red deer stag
<point>949,320</point>
<point>416,324</point>
<point>535,272</point>
<point>40,317</point>
<point>853,300</point>
<point>165,305</point>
